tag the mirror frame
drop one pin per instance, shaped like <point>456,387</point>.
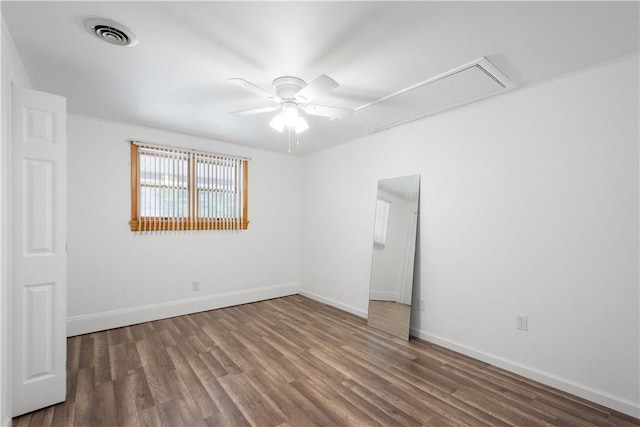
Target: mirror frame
<point>393,255</point>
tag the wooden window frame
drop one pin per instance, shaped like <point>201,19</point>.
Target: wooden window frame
<point>192,221</point>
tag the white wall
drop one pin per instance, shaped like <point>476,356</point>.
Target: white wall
<point>117,277</point>
<point>529,205</point>
<point>12,73</point>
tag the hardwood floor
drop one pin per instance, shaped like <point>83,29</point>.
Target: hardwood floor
<point>293,362</point>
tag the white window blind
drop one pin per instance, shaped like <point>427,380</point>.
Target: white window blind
<point>178,189</point>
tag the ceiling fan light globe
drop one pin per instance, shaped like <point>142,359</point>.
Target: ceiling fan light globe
<point>290,115</point>
<point>301,125</point>
<point>277,122</point>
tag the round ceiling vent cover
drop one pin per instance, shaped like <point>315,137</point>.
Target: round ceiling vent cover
<point>110,31</point>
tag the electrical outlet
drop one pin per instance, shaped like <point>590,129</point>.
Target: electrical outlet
<point>521,322</point>
<point>421,304</point>
<point>195,286</point>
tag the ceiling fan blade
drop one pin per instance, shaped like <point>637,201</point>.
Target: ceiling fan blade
<point>255,89</point>
<point>319,86</point>
<point>256,111</point>
<point>331,112</point>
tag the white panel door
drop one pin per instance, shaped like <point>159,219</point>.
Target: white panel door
<point>38,249</point>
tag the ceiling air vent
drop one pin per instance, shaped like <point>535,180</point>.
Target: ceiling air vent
<point>471,82</point>
<point>110,31</point>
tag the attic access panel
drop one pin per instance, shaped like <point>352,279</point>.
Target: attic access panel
<point>471,82</point>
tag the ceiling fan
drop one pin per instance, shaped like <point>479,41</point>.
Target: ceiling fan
<point>293,95</point>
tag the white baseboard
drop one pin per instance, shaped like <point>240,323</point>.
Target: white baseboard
<point>598,396</point>
<point>87,323</point>
<point>334,303</point>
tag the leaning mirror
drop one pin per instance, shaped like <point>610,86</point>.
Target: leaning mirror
<point>394,245</point>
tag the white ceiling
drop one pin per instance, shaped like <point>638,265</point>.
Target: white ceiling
<point>176,76</point>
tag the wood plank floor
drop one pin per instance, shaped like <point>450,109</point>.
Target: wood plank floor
<point>293,362</point>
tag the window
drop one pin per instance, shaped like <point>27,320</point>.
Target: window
<point>178,189</point>
<point>380,225</point>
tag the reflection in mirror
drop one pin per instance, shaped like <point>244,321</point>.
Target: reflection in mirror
<point>394,245</point>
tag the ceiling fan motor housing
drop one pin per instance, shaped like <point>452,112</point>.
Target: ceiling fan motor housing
<point>287,87</point>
